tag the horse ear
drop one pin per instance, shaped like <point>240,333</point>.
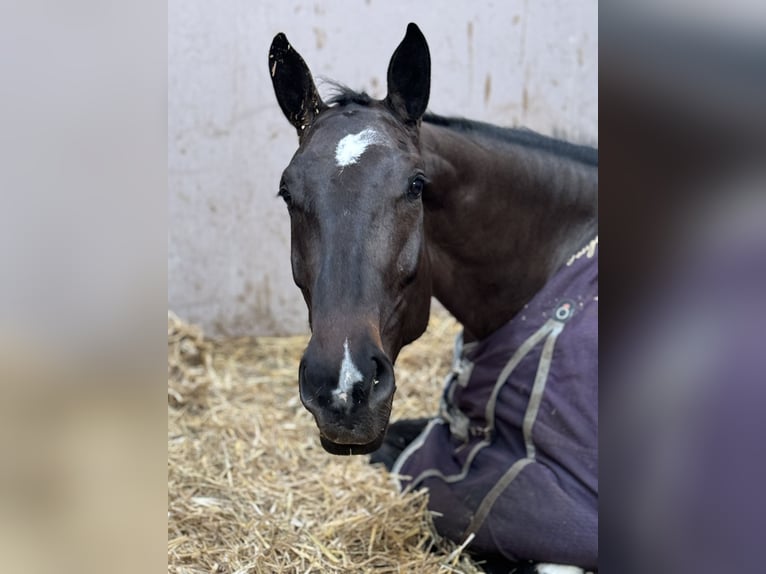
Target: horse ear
<point>293,85</point>
<point>409,76</point>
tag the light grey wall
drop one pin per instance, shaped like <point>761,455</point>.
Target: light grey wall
<point>511,63</point>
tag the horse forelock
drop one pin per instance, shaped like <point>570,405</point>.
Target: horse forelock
<point>342,95</point>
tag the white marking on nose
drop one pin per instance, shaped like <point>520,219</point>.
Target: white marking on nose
<point>351,147</point>
<point>349,375</point>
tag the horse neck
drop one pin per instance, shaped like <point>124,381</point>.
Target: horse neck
<point>500,220</point>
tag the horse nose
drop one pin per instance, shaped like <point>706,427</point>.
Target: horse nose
<point>362,378</point>
<point>349,392</point>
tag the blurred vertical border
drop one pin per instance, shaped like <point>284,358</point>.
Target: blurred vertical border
<point>682,395</point>
<point>83,256</point>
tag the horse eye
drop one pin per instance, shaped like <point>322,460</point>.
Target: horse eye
<point>416,187</point>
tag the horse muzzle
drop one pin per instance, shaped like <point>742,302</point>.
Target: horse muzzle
<point>349,395</point>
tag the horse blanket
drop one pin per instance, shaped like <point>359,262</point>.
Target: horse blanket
<point>512,456</point>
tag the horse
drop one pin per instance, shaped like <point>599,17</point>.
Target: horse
<point>391,205</point>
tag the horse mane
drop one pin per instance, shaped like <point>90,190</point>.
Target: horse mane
<point>343,95</point>
<point>520,136</point>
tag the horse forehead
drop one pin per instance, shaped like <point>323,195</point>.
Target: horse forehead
<point>352,146</point>
<point>345,136</point>
<point>347,143</point>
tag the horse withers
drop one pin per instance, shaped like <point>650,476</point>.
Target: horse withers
<point>390,205</point>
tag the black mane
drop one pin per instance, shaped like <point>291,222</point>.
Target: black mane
<point>343,96</point>
<point>521,136</point>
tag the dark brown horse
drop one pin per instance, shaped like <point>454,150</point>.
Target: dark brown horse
<point>389,206</point>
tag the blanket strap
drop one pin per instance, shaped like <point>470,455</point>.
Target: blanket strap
<point>554,327</point>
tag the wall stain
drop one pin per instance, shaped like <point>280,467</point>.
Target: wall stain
<point>256,302</point>
<point>377,90</point>
<point>487,89</point>
<point>523,37</point>
<point>320,37</point>
<point>469,34</point>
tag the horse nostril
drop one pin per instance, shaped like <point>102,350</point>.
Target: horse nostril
<point>312,400</point>
<point>382,380</point>
<point>379,372</point>
<point>322,401</point>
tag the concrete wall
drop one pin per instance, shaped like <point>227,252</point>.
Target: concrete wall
<point>510,63</point>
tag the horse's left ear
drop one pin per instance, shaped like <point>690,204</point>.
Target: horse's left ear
<point>293,84</point>
<point>409,76</point>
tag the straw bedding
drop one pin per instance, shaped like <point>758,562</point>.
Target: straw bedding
<point>250,488</point>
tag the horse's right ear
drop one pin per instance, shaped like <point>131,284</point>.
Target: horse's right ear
<point>409,76</point>
<point>296,93</point>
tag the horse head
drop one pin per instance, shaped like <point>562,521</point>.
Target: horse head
<point>353,192</point>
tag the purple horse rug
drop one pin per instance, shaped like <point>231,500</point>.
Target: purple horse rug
<point>512,457</point>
